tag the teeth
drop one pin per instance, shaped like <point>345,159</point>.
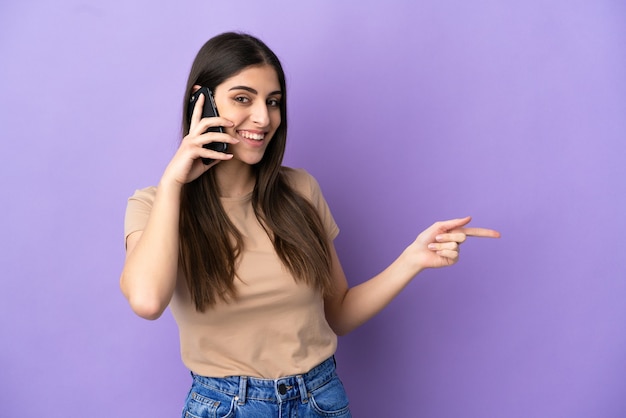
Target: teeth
<point>250,135</point>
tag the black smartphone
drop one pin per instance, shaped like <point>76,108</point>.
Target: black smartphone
<point>209,110</point>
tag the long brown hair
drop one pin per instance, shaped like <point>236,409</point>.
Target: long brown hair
<point>209,242</point>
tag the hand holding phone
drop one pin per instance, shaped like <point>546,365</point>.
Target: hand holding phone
<point>209,110</point>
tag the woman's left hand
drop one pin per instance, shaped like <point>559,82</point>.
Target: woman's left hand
<point>438,245</point>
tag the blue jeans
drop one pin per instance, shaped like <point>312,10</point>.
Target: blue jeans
<point>318,393</point>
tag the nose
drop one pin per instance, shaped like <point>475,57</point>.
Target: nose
<point>260,115</point>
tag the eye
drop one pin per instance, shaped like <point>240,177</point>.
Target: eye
<point>273,102</point>
<point>242,99</point>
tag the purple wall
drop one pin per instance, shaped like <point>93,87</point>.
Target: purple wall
<point>407,113</point>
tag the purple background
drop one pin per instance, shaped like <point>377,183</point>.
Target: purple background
<point>407,113</point>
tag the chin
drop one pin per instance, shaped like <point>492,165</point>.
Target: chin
<point>250,159</point>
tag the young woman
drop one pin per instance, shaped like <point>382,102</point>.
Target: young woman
<point>241,250</point>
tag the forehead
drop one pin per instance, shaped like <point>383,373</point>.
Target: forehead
<point>262,78</point>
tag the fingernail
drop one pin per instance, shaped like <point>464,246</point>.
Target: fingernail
<point>439,238</point>
<point>432,246</point>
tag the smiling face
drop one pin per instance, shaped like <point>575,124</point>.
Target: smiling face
<point>251,100</point>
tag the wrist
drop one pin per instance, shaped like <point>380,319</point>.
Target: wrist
<point>169,187</point>
<point>412,261</point>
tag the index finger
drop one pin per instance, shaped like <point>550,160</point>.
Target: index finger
<point>196,114</point>
<point>480,232</point>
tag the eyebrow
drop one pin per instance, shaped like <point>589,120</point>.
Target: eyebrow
<point>253,91</point>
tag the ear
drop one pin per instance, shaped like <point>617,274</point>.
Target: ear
<point>195,88</point>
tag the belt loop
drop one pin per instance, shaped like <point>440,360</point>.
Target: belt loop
<point>243,384</point>
<point>303,392</point>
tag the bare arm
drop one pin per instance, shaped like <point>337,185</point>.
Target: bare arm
<point>149,275</point>
<point>437,246</point>
<point>150,270</point>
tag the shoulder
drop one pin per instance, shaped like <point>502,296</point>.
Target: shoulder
<point>301,180</point>
<point>140,203</point>
<point>138,210</point>
<point>308,187</point>
<point>145,195</point>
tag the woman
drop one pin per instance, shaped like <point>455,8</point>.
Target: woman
<point>241,250</point>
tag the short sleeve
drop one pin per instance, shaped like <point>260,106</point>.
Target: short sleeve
<point>307,185</point>
<point>138,210</point>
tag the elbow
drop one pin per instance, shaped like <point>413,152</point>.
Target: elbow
<point>142,303</point>
<point>146,309</point>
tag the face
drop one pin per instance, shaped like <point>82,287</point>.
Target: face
<point>251,100</point>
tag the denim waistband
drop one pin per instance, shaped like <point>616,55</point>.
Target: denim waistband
<point>277,390</point>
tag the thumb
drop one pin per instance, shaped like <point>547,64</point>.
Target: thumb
<point>454,223</point>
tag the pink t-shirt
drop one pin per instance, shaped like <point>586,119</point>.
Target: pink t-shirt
<point>276,326</point>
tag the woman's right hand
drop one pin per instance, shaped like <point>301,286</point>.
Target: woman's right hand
<point>187,165</point>
<point>150,272</point>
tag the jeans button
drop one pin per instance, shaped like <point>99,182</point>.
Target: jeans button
<point>282,389</point>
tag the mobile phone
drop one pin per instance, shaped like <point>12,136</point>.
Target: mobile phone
<point>209,110</point>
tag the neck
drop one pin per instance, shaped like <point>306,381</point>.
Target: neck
<point>234,179</point>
